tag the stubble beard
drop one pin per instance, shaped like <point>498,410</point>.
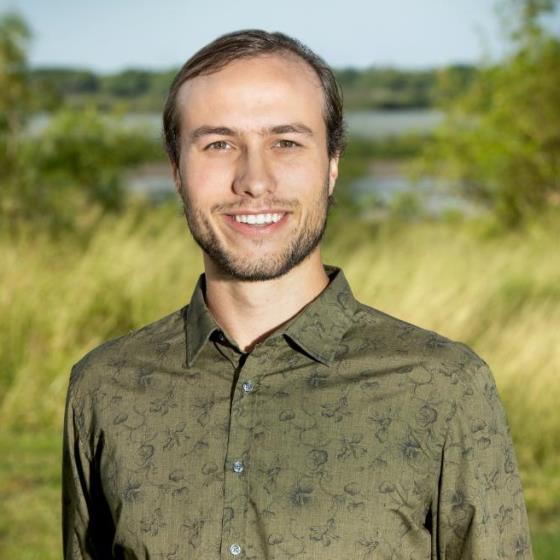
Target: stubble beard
<point>299,247</point>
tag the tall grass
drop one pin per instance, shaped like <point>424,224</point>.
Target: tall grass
<point>499,294</point>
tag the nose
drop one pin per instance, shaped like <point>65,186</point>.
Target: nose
<point>253,175</point>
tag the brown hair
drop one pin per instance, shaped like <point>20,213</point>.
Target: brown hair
<point>245,44</point>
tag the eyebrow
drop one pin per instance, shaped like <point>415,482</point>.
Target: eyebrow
<point>297,128</point>
<point>294,128</point>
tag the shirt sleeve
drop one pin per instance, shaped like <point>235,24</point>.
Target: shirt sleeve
<point>76,499</point>
<point>481,510</point>
<point>87,524</point>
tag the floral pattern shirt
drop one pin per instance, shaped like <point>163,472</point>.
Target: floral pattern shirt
<point>345,434</point>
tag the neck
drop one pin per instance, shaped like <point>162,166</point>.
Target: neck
<point>249,311</point>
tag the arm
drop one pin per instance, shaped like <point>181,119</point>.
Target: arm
<point>87,521</point>
<point>76,477</point>
<point>481,511</point>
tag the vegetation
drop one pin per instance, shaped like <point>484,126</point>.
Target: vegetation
<point>501,139</point>
<point>143,90</point>
<point>78,252</point>
<point>62,298</point>
<point>14,94</point>
<point>76,162</point>
<point>390,88</point>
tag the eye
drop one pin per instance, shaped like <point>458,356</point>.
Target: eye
<point>287,144</point>
<point>219,145</point>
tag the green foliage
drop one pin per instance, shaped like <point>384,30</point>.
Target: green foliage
<point>386,88</point>
<point>130,83</point>
<point>452,82</point>
<point>66,81</point>
<point>14,90</point>
<point>406,207</point>
<point>403,146</point>
<point>523,18</point>
<point>70,172</point>
<point>30,478</point>
<point>140,90</point>
<point>74,168</point>
<point>501,139</point>
<point>144,90</point>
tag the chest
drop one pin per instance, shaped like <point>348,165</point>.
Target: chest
<point>299,462</point>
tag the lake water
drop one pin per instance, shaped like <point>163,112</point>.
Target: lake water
<point>367,124</point>
<point>385,181</point>
<point>381,124</point>
<point>389,180</point>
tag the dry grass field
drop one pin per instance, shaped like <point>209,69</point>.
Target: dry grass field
<point>500,294</point>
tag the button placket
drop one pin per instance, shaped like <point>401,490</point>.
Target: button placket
<point>250,374</point>
<point>238,458</point>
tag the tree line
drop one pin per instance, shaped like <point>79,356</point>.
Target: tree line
<point>370,88</point>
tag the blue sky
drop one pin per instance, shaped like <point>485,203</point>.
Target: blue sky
<point>109,35</point>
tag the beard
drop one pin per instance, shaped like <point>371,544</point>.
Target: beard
<point>301,244</point>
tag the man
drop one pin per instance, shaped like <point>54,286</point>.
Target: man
<point>275,416</point>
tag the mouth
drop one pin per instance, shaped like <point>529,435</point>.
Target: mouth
<point>258,219</point>
<point>257,223</point>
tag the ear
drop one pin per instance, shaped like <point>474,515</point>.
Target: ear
<point>176,177</point>
<point>333,172</point>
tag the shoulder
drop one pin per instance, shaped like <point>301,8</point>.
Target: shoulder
<point>449,362</point>
<point>135,346</point>
<point>431,372</point>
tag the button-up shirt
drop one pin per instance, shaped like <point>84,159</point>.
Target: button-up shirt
<point>345,434</point>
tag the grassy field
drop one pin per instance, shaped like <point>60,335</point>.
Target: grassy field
<point>500,294</point>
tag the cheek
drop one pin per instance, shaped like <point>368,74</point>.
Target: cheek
<point>203,181</point>
<point>301,175</point>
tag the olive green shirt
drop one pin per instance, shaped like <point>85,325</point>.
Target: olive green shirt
<point>345,434</point>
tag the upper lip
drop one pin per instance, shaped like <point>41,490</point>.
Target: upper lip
<point>255,212</point>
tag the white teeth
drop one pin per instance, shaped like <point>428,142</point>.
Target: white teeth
<point>258,219</point>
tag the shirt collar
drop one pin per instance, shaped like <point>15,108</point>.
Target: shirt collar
<point>200,323</point>
<point>317,329</point>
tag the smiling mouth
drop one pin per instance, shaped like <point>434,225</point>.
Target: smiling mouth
<point>258,219</point>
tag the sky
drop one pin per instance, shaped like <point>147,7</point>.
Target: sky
<point>110,35</point>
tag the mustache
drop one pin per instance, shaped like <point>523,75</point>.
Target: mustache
<point>263,204</point>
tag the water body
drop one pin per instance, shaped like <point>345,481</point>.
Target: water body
<point>377,191</point>
<point>382,124</point>
<point>364,124</point>
<point>375,124</point>
<point>389,180</point>
<point>385,181</point>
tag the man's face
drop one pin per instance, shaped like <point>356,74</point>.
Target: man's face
<point>254,172</point>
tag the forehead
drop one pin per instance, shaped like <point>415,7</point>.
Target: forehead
<point>257,91</point>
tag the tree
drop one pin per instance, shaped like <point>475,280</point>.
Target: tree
<point>501,138</point>
<point>74,165</point>
<point>14,87</point>
<point>77,163</point>
<point>129,83</point>
<point>15,99</point>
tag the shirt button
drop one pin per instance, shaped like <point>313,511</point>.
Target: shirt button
<point>235,549</point>
<point>248,386</point>
<point>238,466</point>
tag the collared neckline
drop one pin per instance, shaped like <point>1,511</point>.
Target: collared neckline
<point>319,327</point>
<point>199,322</point>
<point>316,329</point>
